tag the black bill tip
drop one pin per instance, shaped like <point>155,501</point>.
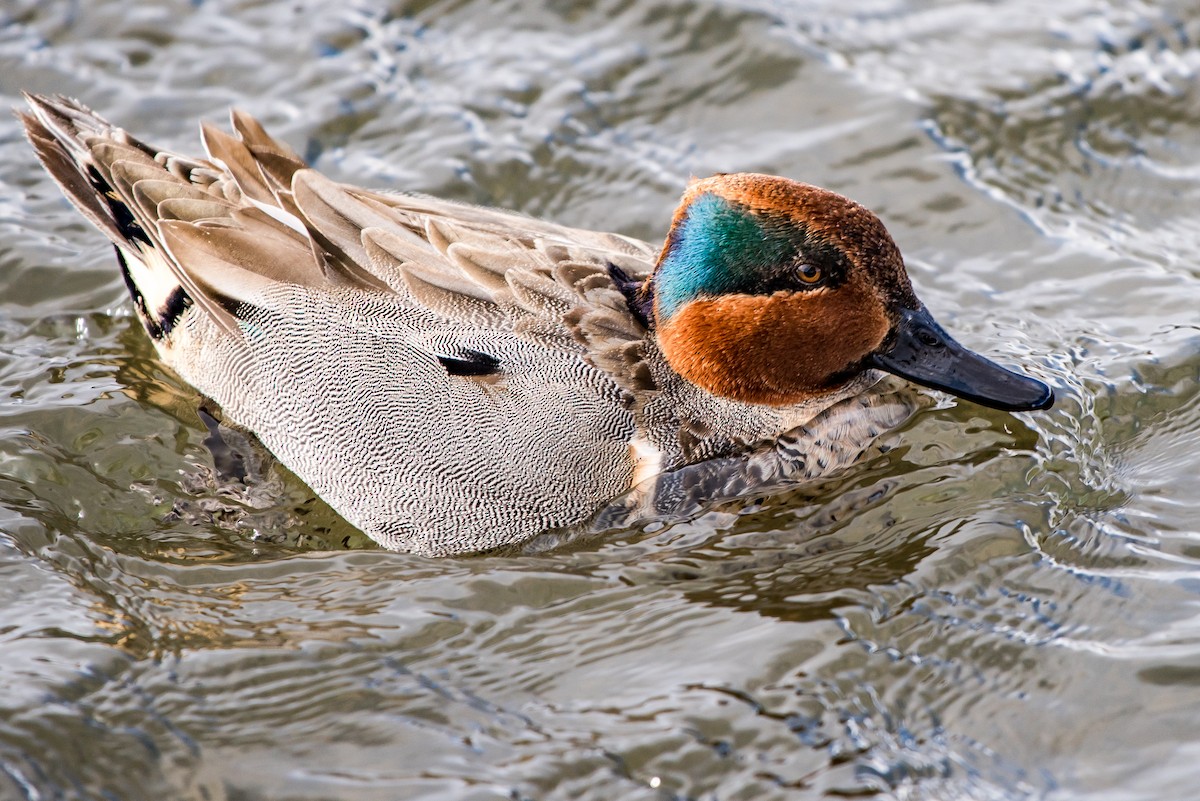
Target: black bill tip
<point>919,350</point>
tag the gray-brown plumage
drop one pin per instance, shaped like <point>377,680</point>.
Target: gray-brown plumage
<point>449,378</point>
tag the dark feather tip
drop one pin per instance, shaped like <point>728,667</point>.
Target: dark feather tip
<point>639,295</point>
<point>470,363</point>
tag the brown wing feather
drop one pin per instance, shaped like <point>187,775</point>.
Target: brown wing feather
<point>253,214</point>
<point>556,278</point>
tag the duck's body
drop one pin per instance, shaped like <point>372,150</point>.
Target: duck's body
<point>451,378</point>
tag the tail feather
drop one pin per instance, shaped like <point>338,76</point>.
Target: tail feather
<point>58,145</point>
<point>132,193</point>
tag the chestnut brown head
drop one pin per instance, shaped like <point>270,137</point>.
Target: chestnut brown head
<point>772,291</point>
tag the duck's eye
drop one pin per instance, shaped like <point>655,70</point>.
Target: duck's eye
<point>810,273</point>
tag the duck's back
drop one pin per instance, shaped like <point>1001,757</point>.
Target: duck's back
<point>429,368</point>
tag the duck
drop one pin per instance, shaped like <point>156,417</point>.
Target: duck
<point>454,379</point>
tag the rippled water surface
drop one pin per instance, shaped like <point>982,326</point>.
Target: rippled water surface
<point>998,607</point>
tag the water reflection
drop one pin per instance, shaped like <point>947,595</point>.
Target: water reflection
<point>987,606</point>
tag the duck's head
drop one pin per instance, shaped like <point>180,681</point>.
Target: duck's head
<point>772,291</point>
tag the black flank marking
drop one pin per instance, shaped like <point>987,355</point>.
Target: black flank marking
<point>177,303</point>
<point>121,214</point>
<point>237,308</point>
<point>134,292</point>
<point>157,325</point>
<point>472,362</point>
<point>639,295</point>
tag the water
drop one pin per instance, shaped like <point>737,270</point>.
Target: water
<point>998,607</point>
